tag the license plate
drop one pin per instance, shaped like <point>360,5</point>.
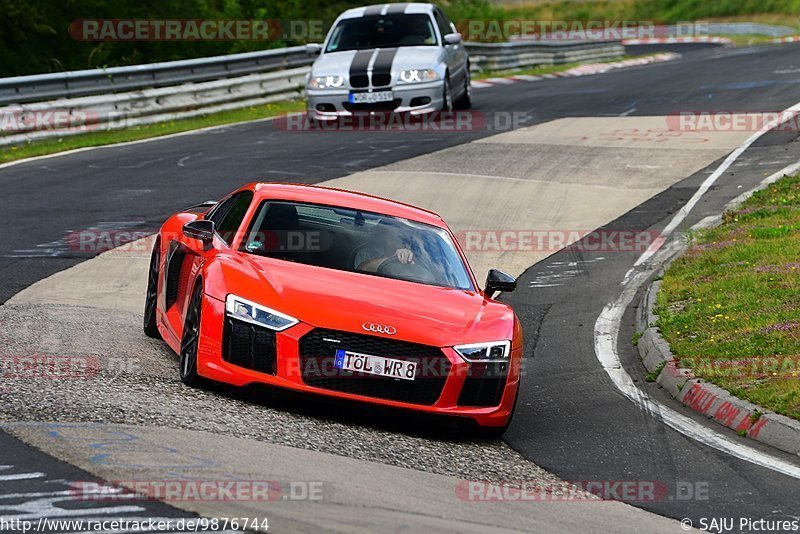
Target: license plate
<point>371,98</point>
<point>375,365</point>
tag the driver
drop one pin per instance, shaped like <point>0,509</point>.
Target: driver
<point>384,243</point>
<point>418,33</point>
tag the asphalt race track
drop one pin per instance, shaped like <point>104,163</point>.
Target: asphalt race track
<point>584,156</point>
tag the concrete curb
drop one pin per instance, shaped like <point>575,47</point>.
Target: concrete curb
<point>746,418</point>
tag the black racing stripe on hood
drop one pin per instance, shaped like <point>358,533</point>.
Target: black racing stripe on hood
<point>396,9</point>
<point>373,10</point>
<point>358,68</point>
<point>382,68</point>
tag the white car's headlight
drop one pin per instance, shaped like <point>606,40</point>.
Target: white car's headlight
<point>326,82</point>
<point>257,314</point>
<point>418,76</point>
<point>485,352</point>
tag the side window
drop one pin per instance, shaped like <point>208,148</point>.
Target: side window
<point>442,23</point>
<point>218,212</point>
<point>230,222</point>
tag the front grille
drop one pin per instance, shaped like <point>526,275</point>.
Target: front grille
<point>484,384</point>
<point>381,79</point>
<point>359,80</point>
<point>249,346</point>
<point>377,106</point>
<point>318,349</point>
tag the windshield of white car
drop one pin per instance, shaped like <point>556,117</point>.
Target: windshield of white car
<point>356,241</point>
<point>382,31</point>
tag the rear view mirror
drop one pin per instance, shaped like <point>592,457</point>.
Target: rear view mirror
<point>499,281</point>
<point>313,49</point>
<point>452,38</point>
<point>202,230</point>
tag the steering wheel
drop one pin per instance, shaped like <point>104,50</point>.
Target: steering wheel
<point>395,268</point>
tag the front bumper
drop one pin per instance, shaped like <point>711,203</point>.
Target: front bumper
<point>289,370</point>
<point>415,99</point>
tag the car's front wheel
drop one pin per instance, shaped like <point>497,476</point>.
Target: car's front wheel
<point>465,100</point>
<point>190,341</point>
<point>447,96</point>
<point>150,324</point>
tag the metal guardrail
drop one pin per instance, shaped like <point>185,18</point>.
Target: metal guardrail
<point>525,54</point>
<point>121,97</point>
<point>39,87</point>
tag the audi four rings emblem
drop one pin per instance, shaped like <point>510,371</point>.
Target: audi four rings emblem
<point>379,328</point>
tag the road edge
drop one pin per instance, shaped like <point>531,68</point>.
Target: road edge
<point>747,419</point>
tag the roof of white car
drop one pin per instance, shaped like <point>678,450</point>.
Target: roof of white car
<point>398,8</point>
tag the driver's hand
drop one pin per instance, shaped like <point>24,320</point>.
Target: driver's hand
<point>404,255</point>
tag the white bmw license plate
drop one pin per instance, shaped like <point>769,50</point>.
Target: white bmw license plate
<point>371,98</point>
<point>374,365</point>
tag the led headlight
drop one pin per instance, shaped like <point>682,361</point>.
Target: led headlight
<point>485,352</point>
<point>326,82</point>
<point>418,75</point>
<point>250,312</point>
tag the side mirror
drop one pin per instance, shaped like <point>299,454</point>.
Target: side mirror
<point>201,230</point>
<point>499,281</point>
<point>452,38</point>
<point>312,49</point>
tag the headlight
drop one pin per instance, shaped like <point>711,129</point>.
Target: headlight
<point>326,82</point>
<point>251,312</point>
<point>418,75</point>
<point>485,352</point>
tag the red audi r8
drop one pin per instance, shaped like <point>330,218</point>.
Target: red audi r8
<point>334,293</point>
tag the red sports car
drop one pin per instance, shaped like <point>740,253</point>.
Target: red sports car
<point>334,293</point>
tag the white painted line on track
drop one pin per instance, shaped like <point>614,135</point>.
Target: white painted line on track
<point>706,185</point>
<point>480,85</point>
<point>136,142</point>
<point>503,81</point>
<point>607,327</point>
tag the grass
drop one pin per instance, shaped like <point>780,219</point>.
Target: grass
<point>98,138</point>
<point>730,307</point>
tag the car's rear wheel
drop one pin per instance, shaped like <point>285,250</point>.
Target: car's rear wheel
<point>465,100</point>
<point>190,341</point>
<point>150,323</point>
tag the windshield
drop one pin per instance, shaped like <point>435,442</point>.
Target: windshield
<point>382,31</point>
<point>356,241</point>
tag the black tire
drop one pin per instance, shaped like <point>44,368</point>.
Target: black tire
<point>447,96</point>
<point>150,324</point>
<point>465,100</point>
<point>190,341</point>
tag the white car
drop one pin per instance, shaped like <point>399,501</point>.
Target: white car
<point>402,58</point>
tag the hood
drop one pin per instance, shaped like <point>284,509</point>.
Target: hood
<point>342,300</point>
<point>405,57</point>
